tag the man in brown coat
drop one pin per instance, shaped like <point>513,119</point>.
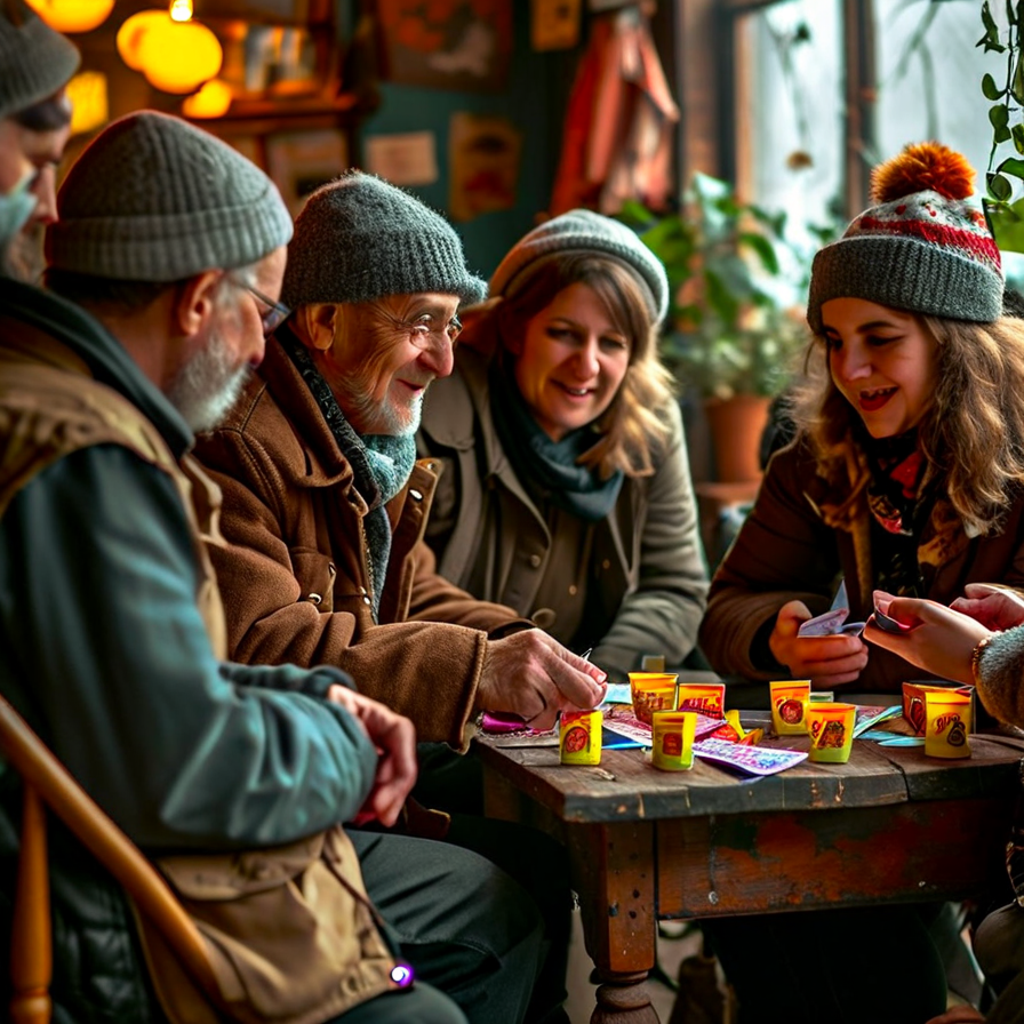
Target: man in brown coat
<point>325,505</point>
<point>325,508</point>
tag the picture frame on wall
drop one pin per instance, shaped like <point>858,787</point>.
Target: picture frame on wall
<point>464,45</point>
<point>300,162</point>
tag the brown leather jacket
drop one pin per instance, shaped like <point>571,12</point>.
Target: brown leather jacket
<point>295,575</point>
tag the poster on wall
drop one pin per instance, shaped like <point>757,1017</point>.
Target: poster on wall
<point>483,155</point>
<point>408,158</point>
<point>448,44</point>
<point>300,162</point>
<point>554,24</point>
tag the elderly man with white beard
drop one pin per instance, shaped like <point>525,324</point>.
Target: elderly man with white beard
<point>325,508</point>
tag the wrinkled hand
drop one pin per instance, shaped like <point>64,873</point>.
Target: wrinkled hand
<point>940,640</point>
<point>993,606</point>
<point>826,660</point>
<point>532,675</point>
<point>395,739</point>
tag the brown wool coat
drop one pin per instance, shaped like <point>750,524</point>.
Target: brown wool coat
<point>787,550</point>
<point>295,578</point>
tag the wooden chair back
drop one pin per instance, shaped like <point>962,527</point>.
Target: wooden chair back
<point>47,783</point>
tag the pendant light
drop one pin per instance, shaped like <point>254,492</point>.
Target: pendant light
<point>175,53</point>
<point>72,15</point>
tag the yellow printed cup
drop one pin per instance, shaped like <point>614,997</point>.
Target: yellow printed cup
<point>707,698</point>
<point>579,737</point>
<point>830,727</point>
<point>672,740</point>
<point>947,723</point>
<point>652,691</point>
<point>789,699</point>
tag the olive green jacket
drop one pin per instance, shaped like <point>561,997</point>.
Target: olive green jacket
<point>646,580</point>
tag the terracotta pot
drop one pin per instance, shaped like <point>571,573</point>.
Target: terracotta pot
<point>736,425</point>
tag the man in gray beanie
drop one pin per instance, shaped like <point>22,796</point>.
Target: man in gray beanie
<point>36,64</point>
<point>166,266</point>
<point>326,505</point>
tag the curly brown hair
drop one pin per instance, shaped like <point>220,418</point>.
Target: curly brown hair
<point>972,434</point>
<point>634,426</point>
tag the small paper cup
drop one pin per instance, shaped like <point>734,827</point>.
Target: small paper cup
<point>830,727</point>
<point>707,698</point>
<point>672,740</point>
<point>653,691</point>
<point>947,724</point>
<point>790,698</point>
<point>579,737</point>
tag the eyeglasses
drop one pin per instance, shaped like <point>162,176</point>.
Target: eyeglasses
<point>422,335</point>
<point>274,315</point>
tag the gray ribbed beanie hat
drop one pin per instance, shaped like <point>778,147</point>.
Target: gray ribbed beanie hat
<point>359,238</point>
<point>35,61</point>
<point>154,198</point>
<point>583,231</point>
<point>922,248</point>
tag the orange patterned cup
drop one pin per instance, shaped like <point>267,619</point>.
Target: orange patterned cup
<point>672,740</point>
<point>947,723</point>
<point>789,699</point>
<point>652,691</point>
<point>830,727</point>
<point>579,737</point>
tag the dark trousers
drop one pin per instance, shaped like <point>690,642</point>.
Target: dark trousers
<point>454,783</point>
<point>877,964</point>
<point>465,926</point>
<point>420,1004</point>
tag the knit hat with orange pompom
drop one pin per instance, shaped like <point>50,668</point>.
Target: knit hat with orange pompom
<point>922,248</point>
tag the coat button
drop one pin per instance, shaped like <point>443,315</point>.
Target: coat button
<point>606,564</point>
<point>573,589</point>
<point>314,599</point>
<point>366,600</point>
<point>415,495</point>
<point>535,561</point>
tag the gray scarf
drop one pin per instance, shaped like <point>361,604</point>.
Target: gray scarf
<point>381,463</point>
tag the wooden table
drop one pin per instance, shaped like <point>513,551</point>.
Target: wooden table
<point>889,826</point>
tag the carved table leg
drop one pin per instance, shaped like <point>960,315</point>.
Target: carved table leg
<point>624,999</point>
<point>613,872</point>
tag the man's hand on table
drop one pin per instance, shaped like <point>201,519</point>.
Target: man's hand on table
<point>395,739</point>
<point>826,660</point>
<point>532,675</point>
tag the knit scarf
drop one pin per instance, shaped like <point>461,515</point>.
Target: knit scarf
<point>381,463</point>
<point>899,507</point>
<point>549,469</point>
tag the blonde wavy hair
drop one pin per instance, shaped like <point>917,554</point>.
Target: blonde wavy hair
<point>972,435</point>
<point>635,426</point>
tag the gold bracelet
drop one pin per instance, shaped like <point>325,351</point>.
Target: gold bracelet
<point>976,656</point>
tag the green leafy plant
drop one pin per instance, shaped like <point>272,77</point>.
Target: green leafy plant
<point>729,331</point>
<point>1005,214</point>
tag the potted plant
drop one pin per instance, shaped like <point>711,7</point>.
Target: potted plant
<point>733,332</point>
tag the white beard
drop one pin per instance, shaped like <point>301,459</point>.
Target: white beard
<point>207,386</point>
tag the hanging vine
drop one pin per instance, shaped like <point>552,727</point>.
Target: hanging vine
<point>1005,215</point>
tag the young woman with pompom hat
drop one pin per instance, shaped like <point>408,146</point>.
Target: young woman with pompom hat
<point>906,475</point>
<point>907,472</point>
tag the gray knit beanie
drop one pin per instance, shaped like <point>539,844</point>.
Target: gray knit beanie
<point>35,61</point>
<point>359,238</point>
<point>583,231</point>
<point>156,199</point>
<point>922,248</point>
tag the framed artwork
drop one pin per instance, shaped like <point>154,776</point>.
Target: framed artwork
<point>269,61</point>
<point>483,164</point>
<point>300,162</point>
<point>448,44</point>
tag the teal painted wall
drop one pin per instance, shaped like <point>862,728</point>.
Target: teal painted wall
<point>534,100</point>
